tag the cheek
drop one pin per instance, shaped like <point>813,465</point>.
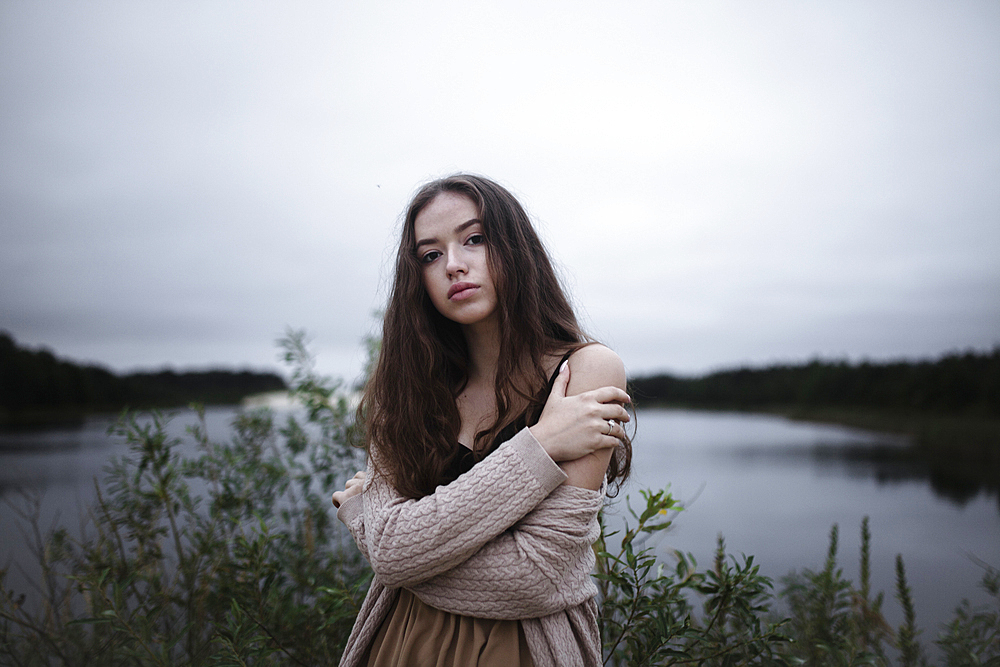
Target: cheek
<point>493,278</point>
<point>427,279</point>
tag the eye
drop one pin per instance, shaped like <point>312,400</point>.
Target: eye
<point>429,257</point>
<point>476,239</point>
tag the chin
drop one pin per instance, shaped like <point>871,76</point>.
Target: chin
<point>471,318</point>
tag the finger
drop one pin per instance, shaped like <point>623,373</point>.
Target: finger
<point>562,380</point>
<point>608,441</point>
<point>609,394</point>
<point>359,475</point>
<point>613,429</point>
<point>616,412</point>
<point>335,499</point>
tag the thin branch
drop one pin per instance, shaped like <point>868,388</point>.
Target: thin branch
<point>42,634</point>
<point>276,641</point>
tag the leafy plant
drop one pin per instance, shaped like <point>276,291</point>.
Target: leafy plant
<point>973,635</point>
<point>833,623</point>
<point>229,557</point>
<point>909,648</point>
<point>825,621</point>
<point>647,613</point>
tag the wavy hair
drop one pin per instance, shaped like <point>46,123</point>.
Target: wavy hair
<point>409,402</point>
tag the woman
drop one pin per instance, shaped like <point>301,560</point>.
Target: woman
<point>494,426</point>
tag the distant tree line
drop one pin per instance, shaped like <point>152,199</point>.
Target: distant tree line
<point>957,384</point>
<point>35,381</point>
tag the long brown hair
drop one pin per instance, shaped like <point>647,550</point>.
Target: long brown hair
<point>408,407</point>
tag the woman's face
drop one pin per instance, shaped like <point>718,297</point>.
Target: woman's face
<point>451,249</point>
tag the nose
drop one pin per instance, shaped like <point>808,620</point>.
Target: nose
<point>456,264</point>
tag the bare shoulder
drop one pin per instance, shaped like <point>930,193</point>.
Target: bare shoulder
<point>595,366</point>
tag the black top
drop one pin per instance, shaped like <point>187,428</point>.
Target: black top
<point>464,458</point>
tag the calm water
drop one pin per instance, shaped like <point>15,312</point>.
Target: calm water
<point>772,487</point>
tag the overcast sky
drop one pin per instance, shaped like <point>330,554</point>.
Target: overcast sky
<point>720,182</point>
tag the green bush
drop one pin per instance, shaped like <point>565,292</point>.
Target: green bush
<point>973,635</point>
<point>227,558</point>
<point>647,613</point>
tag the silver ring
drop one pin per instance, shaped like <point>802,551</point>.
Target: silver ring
<point>611,426</point>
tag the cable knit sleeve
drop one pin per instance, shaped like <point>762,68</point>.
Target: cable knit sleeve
<point>410,541</point>
<point>352,515</point>
<point>539,566</point>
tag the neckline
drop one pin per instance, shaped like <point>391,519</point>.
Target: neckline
<point>523,416</point>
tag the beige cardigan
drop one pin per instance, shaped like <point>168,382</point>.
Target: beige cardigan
<point>506,540</point>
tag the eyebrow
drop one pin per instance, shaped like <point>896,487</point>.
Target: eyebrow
<point>458,230</point>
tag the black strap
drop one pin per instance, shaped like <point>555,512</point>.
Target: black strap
<point>465,458</point>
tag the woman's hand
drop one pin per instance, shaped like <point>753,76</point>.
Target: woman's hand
<point>571,427</point>
<point>352,488</point>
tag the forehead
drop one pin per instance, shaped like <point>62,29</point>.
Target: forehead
<point>443,214</point>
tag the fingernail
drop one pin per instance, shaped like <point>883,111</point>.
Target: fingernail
<point>564,366</point>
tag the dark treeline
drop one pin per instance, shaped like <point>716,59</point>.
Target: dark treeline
<point>34,383</point>
<point>958,384</point>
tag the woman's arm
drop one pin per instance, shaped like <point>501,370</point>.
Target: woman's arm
<point>575,424</point>
<point>409,541</point>
<point>539,566</point>
<point>548,554</point>
<point>592,367</point>
<point>351,512</point>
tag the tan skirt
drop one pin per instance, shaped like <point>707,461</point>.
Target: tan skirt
<point>418,635</point>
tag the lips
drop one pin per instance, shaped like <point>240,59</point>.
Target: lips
<point>459,291</point>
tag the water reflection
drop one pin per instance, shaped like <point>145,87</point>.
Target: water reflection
<point>948,478</point>
<point>55,458</point>
<point>888,459</point>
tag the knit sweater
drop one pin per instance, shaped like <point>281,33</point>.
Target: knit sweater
<point>506,540</point>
